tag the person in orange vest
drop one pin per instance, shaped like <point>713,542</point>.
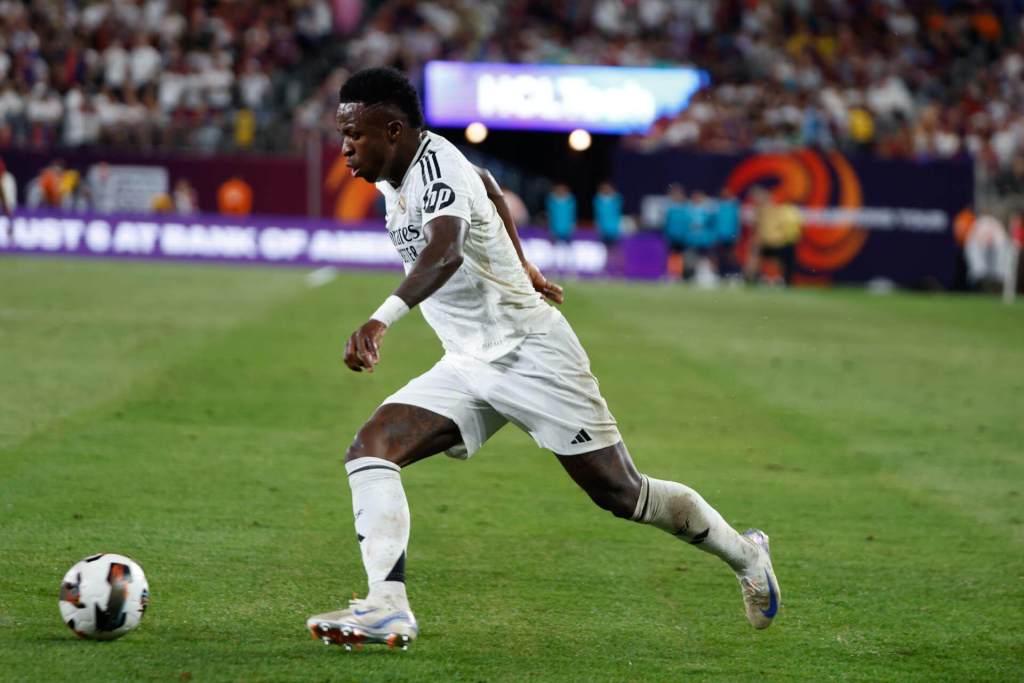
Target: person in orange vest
<point>234,197</point>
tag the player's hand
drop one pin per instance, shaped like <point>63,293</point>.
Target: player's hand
<point>362,351</point>
<point>548,289</point>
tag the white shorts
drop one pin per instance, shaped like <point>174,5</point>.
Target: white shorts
<point>544,387</point>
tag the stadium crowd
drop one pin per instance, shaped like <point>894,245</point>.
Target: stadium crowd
<point>159,73</point>
<point>898,78</point>
<point>895,78</point>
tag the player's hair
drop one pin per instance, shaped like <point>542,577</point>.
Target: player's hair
<point>384,86</point>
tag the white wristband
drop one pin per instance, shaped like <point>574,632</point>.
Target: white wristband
<point>390,311</point>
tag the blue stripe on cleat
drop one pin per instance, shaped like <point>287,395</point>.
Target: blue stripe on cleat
<point>773,605</point>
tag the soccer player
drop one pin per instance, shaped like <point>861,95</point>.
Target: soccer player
<point>509,357</point>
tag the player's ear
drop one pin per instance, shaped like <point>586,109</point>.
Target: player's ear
<point>394,129</point>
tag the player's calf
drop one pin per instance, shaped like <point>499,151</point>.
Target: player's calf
<point>682,512</point>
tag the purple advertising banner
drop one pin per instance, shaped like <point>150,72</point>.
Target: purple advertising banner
<point>601,99</point>
<point>290,242</point>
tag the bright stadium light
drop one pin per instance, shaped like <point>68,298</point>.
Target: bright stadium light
<point>579,140</point>
<point>476,132</point>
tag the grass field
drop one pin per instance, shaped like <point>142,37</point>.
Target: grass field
<point>194,418</point>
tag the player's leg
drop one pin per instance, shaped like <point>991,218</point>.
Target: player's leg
<point>437,411</point>
<point>395,436</point>
<point>613,482</point>
<point>547,388</point>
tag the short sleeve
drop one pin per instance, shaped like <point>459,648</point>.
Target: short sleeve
<point>446,190</point>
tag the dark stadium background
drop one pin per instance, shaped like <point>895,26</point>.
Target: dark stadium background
<point>210,91</point>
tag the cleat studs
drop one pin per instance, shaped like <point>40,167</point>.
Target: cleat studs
<point>325,640</point>
<point>347,646</point>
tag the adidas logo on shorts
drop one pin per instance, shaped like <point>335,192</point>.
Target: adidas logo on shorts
<point>581,437</point>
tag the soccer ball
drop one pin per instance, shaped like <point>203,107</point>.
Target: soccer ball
<point>104,596</point>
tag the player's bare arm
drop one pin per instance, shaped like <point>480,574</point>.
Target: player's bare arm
<point>434,266</point>
<point>548,289</point>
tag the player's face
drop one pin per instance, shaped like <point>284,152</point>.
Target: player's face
<point>367,141</point>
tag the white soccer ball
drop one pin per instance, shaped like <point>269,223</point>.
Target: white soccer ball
<point>104,596</point>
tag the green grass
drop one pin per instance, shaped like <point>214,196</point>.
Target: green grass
<point>195,417</point>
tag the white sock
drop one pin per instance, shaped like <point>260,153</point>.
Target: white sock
<point>682,512</point>
<point>382,526</point>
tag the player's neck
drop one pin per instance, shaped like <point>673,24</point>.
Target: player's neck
<point>404,156</point>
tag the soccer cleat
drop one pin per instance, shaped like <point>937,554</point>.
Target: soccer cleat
<point>761,595</point>
<point>365,623</point>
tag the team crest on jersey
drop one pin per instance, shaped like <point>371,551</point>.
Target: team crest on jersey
<point>437,197</point>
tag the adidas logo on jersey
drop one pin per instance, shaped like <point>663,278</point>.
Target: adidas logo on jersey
<point>581,437</point>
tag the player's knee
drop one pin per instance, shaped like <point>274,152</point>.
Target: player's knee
<point>618,500</point>
<point>370,442</point>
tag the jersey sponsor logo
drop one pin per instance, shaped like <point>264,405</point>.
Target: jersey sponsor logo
<point>437,197</point>
<point>402,236</point>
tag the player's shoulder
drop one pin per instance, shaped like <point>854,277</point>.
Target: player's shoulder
<point>439,159</point>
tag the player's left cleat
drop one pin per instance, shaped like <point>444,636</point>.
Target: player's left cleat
<point>364,623</point>
<point>761,595</point>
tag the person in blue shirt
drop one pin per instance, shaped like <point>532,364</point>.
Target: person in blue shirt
<point>701,237</point>
<point>561,207</point>
<point>678,223</point>
<point>608,213</point>
<point>727,231</point>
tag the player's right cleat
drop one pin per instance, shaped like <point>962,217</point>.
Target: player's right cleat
<point>365,623</point>
<point>760,588</point>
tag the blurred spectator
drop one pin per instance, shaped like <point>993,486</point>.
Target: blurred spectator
<point>701,236</point>
<point>987,252</point>
<point>162,203</point>
<point>1009,185</point>
<point>73,194</point>
<point>43,112</point>
<point>45,189</point>
<point>81,122</point>
<point>608,213</point>
<point>100,189</point>
<point>254,88</point>
<point>516,207</point>
<point>890,77</point>
<point>185,198</point>
<point>778,227</point>
<point>701,239</point>
<point>727,231</point>
<point>234,197</point>
<point>561,209</point>
<point>8,190</point>
<point>678,220</point>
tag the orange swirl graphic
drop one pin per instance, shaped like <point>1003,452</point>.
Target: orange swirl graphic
<point>353,198</point>
<point>803,177</point>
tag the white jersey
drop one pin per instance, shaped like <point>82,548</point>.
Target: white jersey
<point>488,306</point>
